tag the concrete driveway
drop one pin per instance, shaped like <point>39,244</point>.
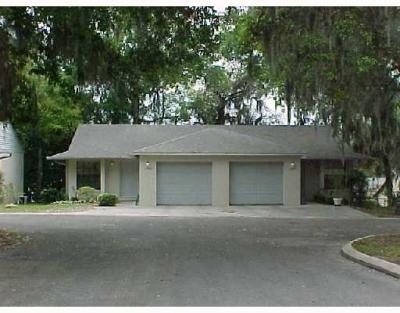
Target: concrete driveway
<point>276,211</point>
<point>185,261</point>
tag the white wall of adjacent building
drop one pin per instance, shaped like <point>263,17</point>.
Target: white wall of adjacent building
<point>12,167</point>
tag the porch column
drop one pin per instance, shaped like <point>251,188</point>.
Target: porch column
<point>292,182</point>
<point>147,182</point>
<point>220,183</point>
<point>70,180</point>
<point>102,175</point>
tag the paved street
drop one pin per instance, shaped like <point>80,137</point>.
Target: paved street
<point>190,261</point>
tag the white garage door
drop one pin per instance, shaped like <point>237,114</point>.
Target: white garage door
<point>184,183</point>
<point>255,183</point>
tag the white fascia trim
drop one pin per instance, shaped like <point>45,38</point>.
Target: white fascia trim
<point>221,154</point>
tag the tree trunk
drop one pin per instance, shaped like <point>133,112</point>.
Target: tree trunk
<point>5,91</point>
<point>289,111</point>
<point>162,109</point>
<point>221,112</point>
<point>381,188</point>
<point>389,179</point>
<point>288,98</point>
<point>39,175</point>
<point>135,110</point>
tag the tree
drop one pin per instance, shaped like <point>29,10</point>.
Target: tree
<point>342,64</point>
<point>146,50</point>
<point>17,47</point>
<point>45,119</point>
<point>62,66</point>
<point>235,78</point>
<point>117,54</point>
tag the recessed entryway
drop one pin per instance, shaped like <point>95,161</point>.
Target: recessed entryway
<point>129,179</point>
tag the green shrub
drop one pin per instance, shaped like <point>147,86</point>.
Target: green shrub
<point>49,195</point>
<point>87,194</point>
<point>107,199</point>
<point>322,198</point>
<point>370,204</point>
<point>358,185</point>
<point>62,194</point>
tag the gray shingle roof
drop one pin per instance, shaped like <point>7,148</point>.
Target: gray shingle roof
<point>125,141</point>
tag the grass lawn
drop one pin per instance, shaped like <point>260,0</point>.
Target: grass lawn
<point>379,212</point>
<point>386,247</point>
<point>36,207</point>
<point>9,238</point>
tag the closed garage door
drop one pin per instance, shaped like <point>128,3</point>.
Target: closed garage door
<point>184,183</point>
<point>255,183</point>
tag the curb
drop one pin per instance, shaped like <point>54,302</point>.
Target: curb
<point>386,267</point>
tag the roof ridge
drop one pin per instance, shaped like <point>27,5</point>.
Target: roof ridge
<point>237,133</point>
<point>257,137</point>
<point>169,140</point>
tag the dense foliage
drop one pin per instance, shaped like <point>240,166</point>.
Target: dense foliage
<point>67,65</point>
<point>357,182</point>
<point>63,66</point>
<point>342,65</point>
<point>50,195</point>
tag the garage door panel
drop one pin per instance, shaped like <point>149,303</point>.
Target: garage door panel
<point>183,183</point>
<point>256,183</point>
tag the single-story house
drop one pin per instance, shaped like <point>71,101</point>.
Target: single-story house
<point>205,165</point>
<point>11,158</point>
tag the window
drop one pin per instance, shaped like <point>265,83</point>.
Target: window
<point>88,174</point>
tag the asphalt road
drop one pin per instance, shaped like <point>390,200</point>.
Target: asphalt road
<point>229,261</point>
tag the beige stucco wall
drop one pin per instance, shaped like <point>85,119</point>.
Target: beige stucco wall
<point>111,180</point>
<point>220,183</point>
<point>147,182</point>
<point>220,177</point>
<point>291,182</point>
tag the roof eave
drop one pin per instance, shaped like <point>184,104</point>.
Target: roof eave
<point>337,157</point>
<point>60,157</point>
<point>215,154</point>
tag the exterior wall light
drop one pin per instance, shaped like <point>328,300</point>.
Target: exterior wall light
<point>147,164</point>
<point>112,163</point>
<point>292,165</point>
